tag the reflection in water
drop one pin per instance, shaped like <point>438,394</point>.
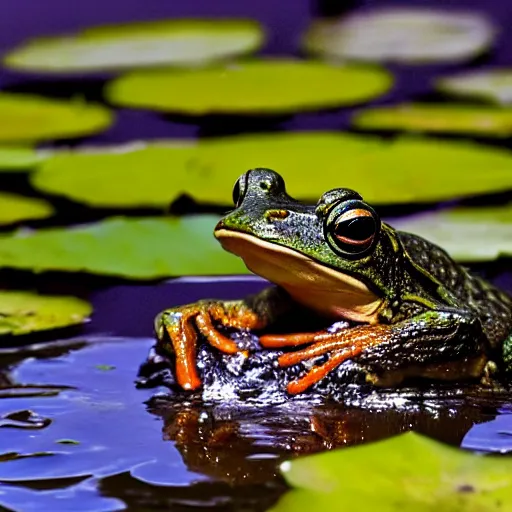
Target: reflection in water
<point>78,435</point>
<point>245,446</point>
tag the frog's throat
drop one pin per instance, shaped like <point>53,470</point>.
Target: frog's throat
<point>325,290</point>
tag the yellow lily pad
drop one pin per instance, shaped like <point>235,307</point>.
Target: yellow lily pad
<point>412,35</point>
<point>468,234</point>
<point>494,85</point>
<point>14,159</point>
<point>464,119</point>
<point>137,248</point>
<point>26,312</point>
<point>177,42</point>
<point>406,472</point>
<point>254,87</point>
<point>32,118</point>
<point>15,208</point>
<point>406,170</point>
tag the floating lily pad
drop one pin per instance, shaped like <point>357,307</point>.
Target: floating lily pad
<point>468,234</point>
<point>410,35</point>
<point>467,119</point>
<point>145,248</point>
<point>182,42</point>
<point>406,170</point>
<point>494,85</point>
<point>32,118</point>
<point>124,174</point>
<point>406,472</point>
<point>14,208</point>
<point>20,158</point>
<point>255,87</point>
<point>25,312</point>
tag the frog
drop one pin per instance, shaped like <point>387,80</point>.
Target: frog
<point>413,312</point>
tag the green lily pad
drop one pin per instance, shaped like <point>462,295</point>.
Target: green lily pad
<point>406,170</point>
<point>14,208</point>
<point>14,159</point>
<point>465,119</point>
<point>468,234</point>
<point>33,118</point>
<point>177,42</point>
<point>494,85</point>
<point>145,248</point>
<point>117,171</point>
<point>401,34</point>
<point>25,312</point>
<point>254,87</point>
<point>406,472</point>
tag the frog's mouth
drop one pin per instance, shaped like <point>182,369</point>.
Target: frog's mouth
<point>321,288</point>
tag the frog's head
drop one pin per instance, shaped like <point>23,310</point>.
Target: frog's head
<point>335,257</point>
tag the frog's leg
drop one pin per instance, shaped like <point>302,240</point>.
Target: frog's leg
<point>414,339</point>
<point>177,328</point>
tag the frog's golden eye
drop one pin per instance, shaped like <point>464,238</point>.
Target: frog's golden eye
<point>355,227</point>
<point>352,228</point>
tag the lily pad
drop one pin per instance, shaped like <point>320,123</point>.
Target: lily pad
<point>125,175</point>
<point>25,312</point>
<point>14,159</point>
<point>468,234</point>
<point>406,170</point>
<point>177,42</point>
<point>406,472</point>
<point>137,248</point>
<point>409,35</point>
<point>466,119</point>
<point>269,86</point>
<point>14,208</point>
<point>33,118</point>
<point>494,85</point>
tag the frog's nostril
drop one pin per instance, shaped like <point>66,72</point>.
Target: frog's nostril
<point>277,214</point>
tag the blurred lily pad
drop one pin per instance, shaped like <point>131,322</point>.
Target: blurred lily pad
<point>33,118</point>
<point>254,87</point>
<point>406,170</point>
<point>15,208</point>
<point>494,85</point>
<point>466,119</point>
<point>468,234</point>
<point>25,312</point>
<point>402,34</point>
<point>13,159</point>
<point>179,42</point>
<point>136,174</point>
<point>407,472</point>
<point>145,248</point>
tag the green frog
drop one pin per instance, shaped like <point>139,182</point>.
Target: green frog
<point>408,303</point>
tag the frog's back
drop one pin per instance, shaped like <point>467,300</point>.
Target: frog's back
<point>492,306</point>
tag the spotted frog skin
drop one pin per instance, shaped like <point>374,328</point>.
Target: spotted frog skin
<point>413,311</point>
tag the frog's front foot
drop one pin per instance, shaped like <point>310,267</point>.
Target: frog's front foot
<point>342,345</point>
<point>177,329</point>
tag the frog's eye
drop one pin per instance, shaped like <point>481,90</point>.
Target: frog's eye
<point>352,229</point>
<point>356,228</point>
<point>239,190</point>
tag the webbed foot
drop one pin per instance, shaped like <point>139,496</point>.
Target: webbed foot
<point>177,328</point>
<point>343,345</point>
